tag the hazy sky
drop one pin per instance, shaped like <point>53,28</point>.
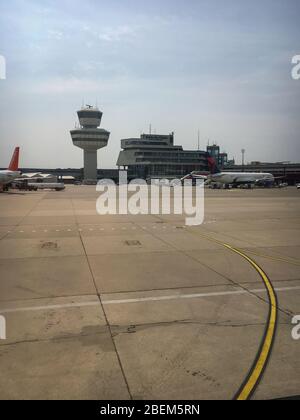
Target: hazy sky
<point>221,66</point>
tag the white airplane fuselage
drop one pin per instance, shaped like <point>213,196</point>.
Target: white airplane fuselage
<point>6,177</point>
<point>241,177</point>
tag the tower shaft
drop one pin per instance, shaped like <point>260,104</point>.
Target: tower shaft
<point>90,164</point>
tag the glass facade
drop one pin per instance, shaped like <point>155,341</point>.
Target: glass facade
<point>155,155</point>
<point>220,158</point>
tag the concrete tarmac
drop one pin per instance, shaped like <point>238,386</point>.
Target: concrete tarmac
<point>143,307</point>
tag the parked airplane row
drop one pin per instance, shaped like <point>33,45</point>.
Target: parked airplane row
<point>215,176</point>
<point>232,178</point>
<point>12,174</point>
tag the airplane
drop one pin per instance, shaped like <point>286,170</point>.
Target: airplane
<point>194,176</point>
<point>238,178</point>
<point>12,172</point>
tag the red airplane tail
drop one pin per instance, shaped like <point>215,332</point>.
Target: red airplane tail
<point>14,164</point>
<point>213,167</point>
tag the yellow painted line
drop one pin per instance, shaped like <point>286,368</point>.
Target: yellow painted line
<point>255,374</point>
<point>276,258</point>
<point>260,363</point>
<point>288,260</point>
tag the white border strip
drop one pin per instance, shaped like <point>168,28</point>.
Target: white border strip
<point>146,299</point>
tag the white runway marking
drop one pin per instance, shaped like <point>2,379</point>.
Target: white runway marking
<point>146,299</point>
<point>193,296</point>
<point>50,307</point>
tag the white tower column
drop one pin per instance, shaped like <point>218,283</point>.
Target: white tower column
<point>90,164</point>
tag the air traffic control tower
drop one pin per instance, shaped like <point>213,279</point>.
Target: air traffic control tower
<point>90,138</point>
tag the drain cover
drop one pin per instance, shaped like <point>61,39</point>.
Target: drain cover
<point>49,245</point>
<point>133,243</point>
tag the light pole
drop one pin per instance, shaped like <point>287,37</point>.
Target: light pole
<point>243,159</point>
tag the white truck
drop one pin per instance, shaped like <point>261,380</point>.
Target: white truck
<point>57,186</point>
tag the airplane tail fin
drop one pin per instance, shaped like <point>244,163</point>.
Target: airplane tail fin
<point>213,167</point>
<point>14,164</point>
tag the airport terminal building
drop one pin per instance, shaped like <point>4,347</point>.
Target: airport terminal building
<point>155,155</point>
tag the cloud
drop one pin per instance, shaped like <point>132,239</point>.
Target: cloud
<point>118,33</point>
<point>65,85</point>
<point>225,68</point>
<point>76,85</point>
<point>113,33</point>
<point>56,35</point>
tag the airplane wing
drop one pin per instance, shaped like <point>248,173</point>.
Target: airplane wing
<point>34,179</point>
